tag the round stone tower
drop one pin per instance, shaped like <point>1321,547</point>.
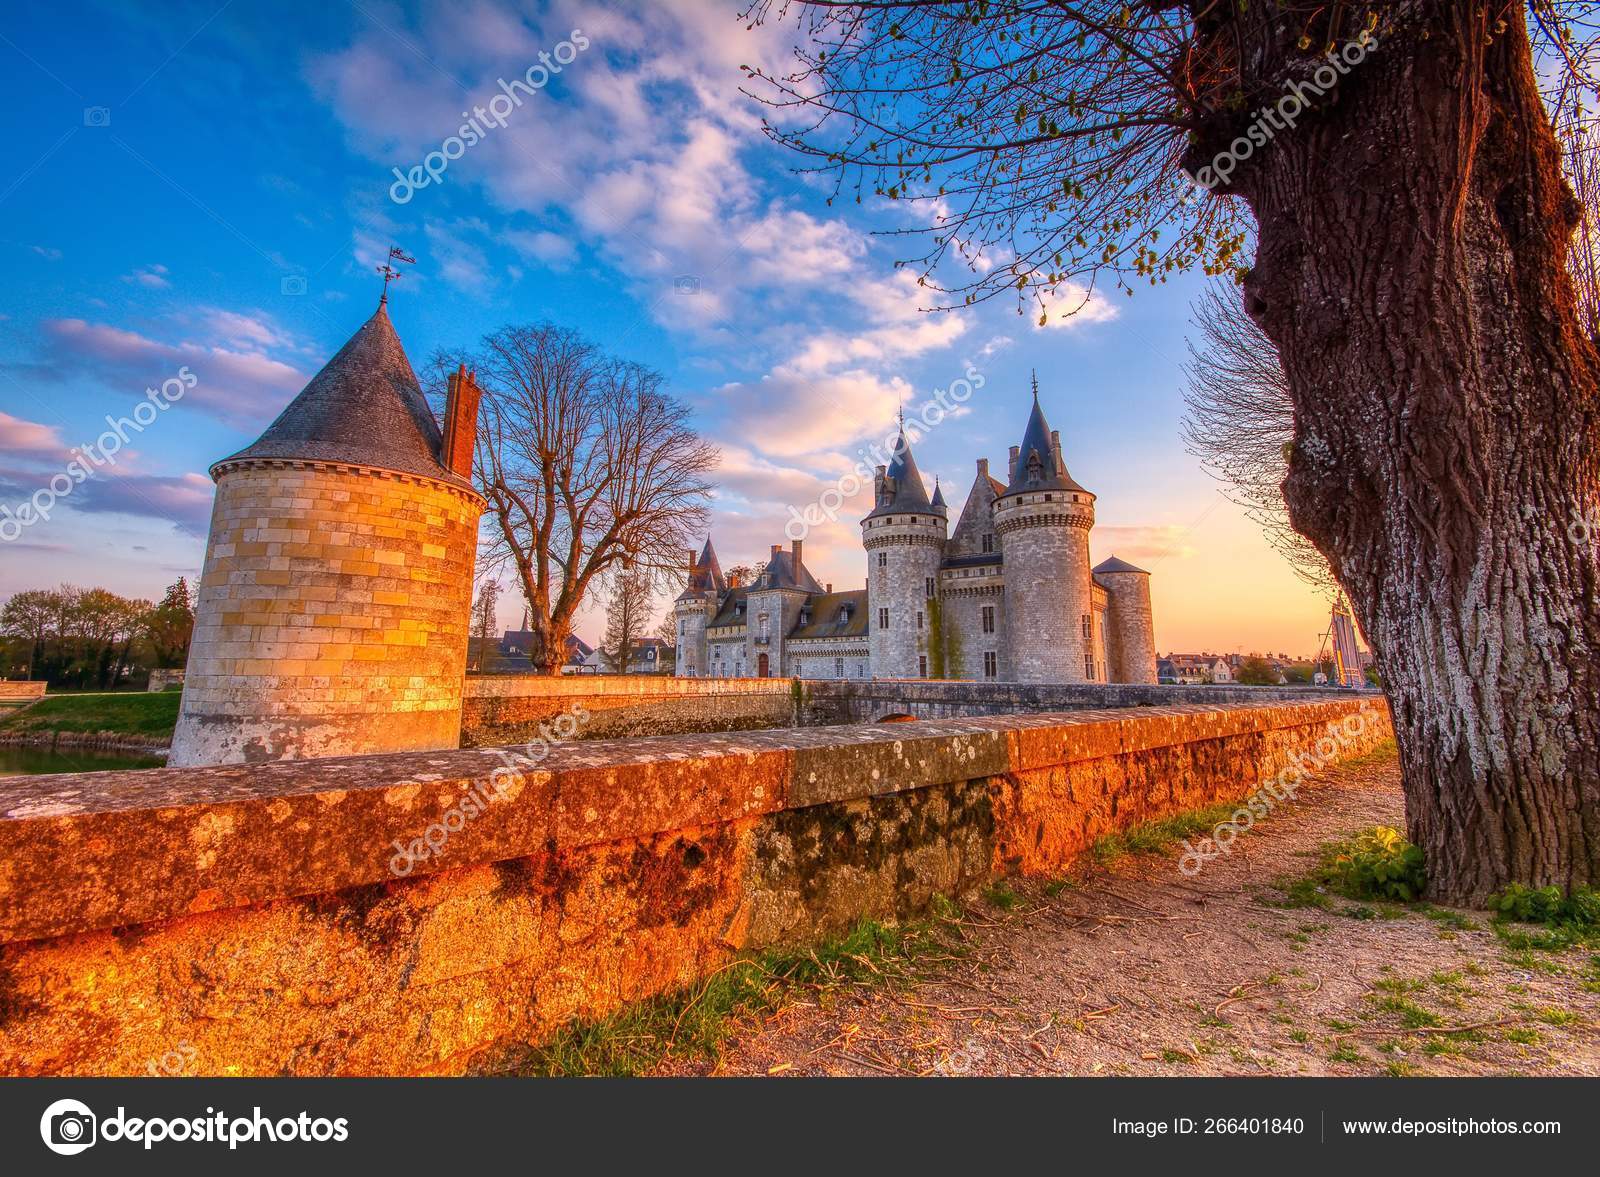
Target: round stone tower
<point>1044,517</point>
<point>904,536</point>
<point>694,609</point>
<point>333,607</point>
<point>1130,625</point>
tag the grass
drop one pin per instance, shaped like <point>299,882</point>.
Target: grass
<point>1156,837</point>
<point>697,1021</point>
<point>149,715</point>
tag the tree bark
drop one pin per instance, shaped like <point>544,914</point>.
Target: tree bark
<point>1410,268</point>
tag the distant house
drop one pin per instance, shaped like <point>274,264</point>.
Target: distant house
<point>652,656</point>
<point>517,644</point>
<point>1194,669</point>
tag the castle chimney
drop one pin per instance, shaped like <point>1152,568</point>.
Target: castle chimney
<point>828,586</point>
<point>797,544</point>
<point>983,467</point>
<point>1012,476</point>
<point>1055,447</point>
<point>460,422</point>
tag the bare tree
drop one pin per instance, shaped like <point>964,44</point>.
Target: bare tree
<point>1240,422</point>
<point>627,615</point>
<point>587,464</point>
<point>1411,225</point>
<point>485,622</point>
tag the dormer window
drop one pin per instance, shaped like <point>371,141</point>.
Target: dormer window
<point>1035,466</point>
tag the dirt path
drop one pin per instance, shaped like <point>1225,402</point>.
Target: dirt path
<point>1133,969</point>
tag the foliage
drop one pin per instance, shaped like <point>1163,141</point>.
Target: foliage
<point>1576,910</point>
<point>78,638</point>
<point>1256,671</point>
<point>1377,865</point>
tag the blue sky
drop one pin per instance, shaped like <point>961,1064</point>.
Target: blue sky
<point>208,186</point>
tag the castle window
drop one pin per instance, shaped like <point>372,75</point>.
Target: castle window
<point>991,667</point>
<point>919,618</point>
<point>844,614</point>
<point>799,668</point>
<point>1088,666</point>
<point>883,619</point>
<point>928,587</point>
<point>764,626</point>
<point>988,543</point>
<point>1047,498</point>
<point>838,668</point>
<point>1088,622</point>
<point>883,559</point>
<point>988,619</point>
<point>922,666</point>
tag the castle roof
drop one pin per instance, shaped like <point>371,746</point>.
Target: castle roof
<point>364,408</point>
<point>783,571</point>
<point>834,615</point>
<point>903,489</point>
<point>1038,445</point>
<point>705,574</point>
<point>938,493</point>
<point>728,610</point>
<point>1116,565</point>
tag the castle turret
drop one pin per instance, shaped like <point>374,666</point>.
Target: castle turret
<point>333,607</point>
<point>694,608</point>
<point>1044,518</point>
<point>1130,625</point>
<point>904,535</point>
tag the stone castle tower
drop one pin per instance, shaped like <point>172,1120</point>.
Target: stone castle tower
<point>1007,596</point>
<point>695,607</point>
<point>1043,517</point>
<point>904,535</point>
<point>333,607</point>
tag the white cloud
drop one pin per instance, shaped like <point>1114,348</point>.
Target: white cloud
<point>152,277</point>
<point>1072,305</point>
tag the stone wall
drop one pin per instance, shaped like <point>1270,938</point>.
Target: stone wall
<point>331,616</point>
<point>866,702</point>
<point>18,689</point>
<point>304,918</point>
<point>501,709</point>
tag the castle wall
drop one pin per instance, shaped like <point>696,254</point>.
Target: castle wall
<point>331,617</point>
<point>693,655</point>
<point>962,601</point>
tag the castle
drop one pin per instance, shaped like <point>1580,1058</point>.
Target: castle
<point>1007,596</point>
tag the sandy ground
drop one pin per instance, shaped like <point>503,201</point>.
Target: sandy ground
<point>1134,969</point>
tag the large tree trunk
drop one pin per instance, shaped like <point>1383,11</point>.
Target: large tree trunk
<point>1410,268</point>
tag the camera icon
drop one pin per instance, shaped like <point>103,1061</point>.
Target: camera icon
<point>68,1127</point>
<point>97,116</point>
<point>293,285</point>
<point>686,284</point>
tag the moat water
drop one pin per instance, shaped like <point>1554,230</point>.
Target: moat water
<point>20,760</point>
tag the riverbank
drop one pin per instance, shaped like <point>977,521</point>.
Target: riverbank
<point>123,721</point>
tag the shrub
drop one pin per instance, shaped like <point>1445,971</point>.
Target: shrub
<point>1378,864</point>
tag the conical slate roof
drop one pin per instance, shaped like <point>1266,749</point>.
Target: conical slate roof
<point>1036,441</point>
<point>706,575</point>
<point>1115,565</point>
<point>938,494</point>
<point>907,493</point>
<point>365,408</point>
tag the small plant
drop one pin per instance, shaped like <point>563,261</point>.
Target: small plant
<point>1376,864</point>
<point>1002,896</point>
<point>1345,1053</point>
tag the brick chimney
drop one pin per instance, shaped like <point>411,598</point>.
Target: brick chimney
<point>983,467</point>
<point>1015,450</point>
<point>797,547</point>
<point>460,422</point>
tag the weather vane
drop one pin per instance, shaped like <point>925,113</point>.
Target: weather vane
<point>390,274</point>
